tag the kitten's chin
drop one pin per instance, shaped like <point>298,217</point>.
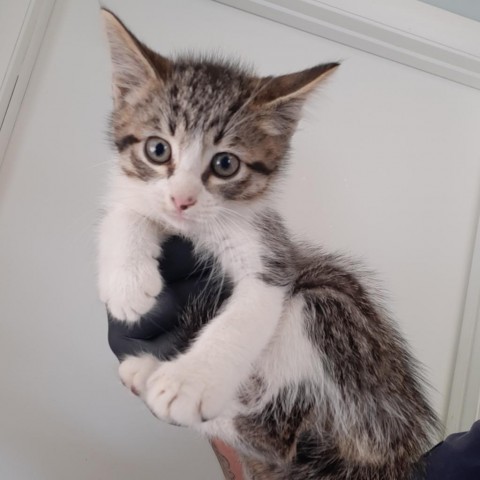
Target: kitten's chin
<point>176,222</point>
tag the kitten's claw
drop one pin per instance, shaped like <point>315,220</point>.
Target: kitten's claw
<point>182,392</point>
<point>134,372</point>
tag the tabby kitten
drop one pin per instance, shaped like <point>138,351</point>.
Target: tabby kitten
<point>300,369</point>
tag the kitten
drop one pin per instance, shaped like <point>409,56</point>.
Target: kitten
<point>301,370</point>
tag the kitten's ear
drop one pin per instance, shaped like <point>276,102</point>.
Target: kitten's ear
<point>133,63</point>
<point>285,95</point>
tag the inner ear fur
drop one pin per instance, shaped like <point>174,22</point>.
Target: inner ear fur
<point>134,64</point>
<point>281,89</point>
<point>279,100</point>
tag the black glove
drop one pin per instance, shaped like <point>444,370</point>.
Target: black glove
<point>159,331</point>
<point>456,458</point>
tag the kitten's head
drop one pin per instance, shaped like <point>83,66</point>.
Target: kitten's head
<point>198,136</point>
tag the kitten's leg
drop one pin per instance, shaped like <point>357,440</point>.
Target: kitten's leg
<point>129,281</point>
<point>198,384</point>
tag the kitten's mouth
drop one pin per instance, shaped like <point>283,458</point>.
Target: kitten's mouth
<point>177,219</point>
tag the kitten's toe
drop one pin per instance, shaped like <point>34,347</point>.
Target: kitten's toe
<point>153,283</point>
<point>172,398</point>
<point>213,403</point>
<point>134,372</point>
<point>182,392</point>
<point>122,312</point>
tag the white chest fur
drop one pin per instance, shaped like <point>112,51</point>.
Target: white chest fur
<point>237,246</point>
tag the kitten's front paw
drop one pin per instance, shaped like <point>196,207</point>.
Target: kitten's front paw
<point>183,392</point>
<point>131,292</point>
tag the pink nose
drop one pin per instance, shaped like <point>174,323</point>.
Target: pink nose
<point>182,203</point>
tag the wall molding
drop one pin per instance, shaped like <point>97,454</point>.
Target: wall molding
<point>20,66</point>
<point>389,36</point>
<point>464,405</point>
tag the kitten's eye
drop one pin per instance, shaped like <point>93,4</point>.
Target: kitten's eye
<point>225,164</point>
<point>158,150</point>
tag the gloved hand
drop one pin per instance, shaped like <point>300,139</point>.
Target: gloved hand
<point>158,332</point>
<point>456,458</point>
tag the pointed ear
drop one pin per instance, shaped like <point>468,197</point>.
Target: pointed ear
<point>132,62</point>
<point>284,96</point>
<point>293,85</point>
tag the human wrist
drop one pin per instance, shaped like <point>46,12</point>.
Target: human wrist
<point>228,459</point>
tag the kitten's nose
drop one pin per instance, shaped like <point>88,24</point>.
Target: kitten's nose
<point>182,203</point>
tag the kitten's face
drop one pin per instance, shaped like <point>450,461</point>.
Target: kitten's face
<point>200,137</point>
<point>196,143</point>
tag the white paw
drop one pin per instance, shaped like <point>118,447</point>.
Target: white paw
<point>183,392</point>
<point>130,291</point>
<point>134,372</point>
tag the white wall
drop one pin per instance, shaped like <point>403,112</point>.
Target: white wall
<point>386,167</point>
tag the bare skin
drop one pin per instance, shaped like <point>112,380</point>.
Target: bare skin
<point>229,462</point>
